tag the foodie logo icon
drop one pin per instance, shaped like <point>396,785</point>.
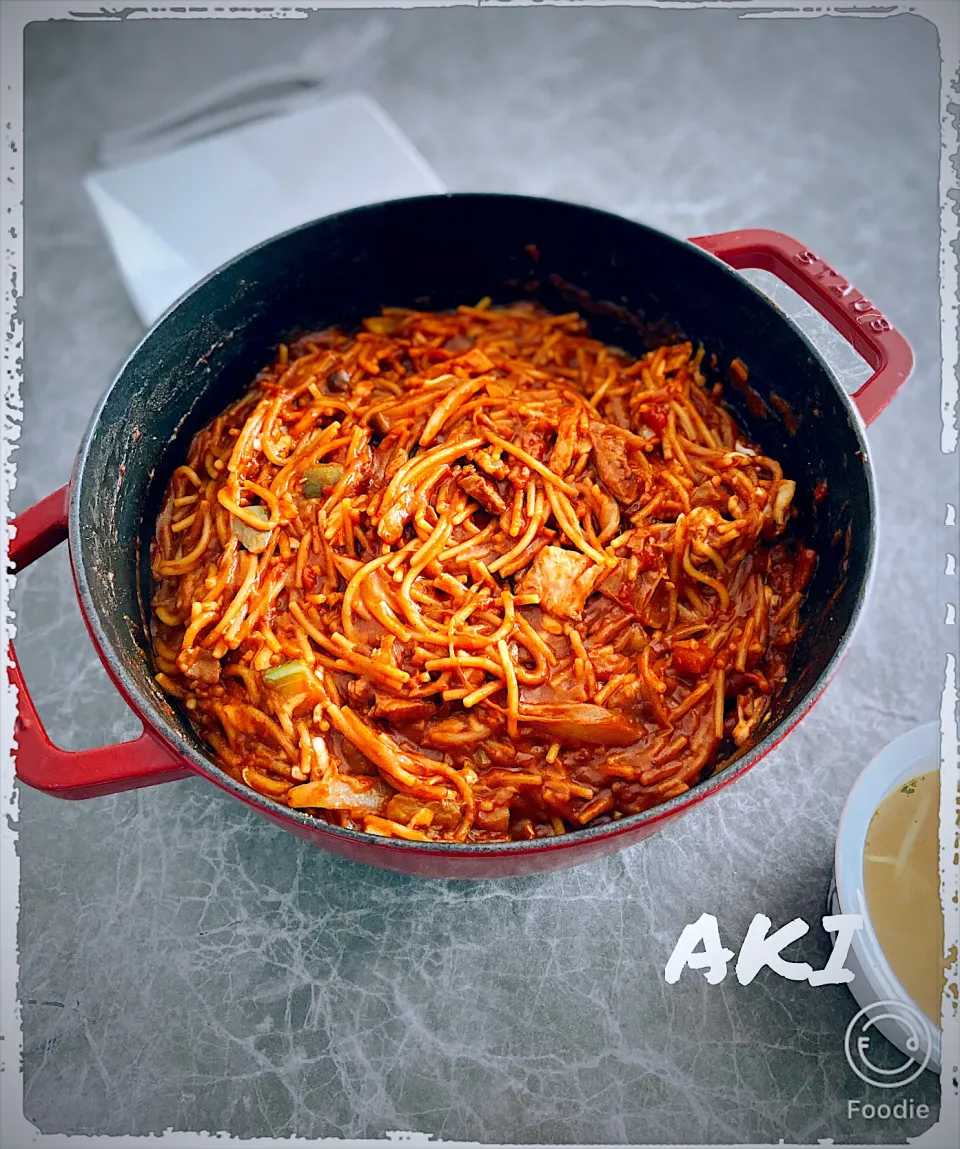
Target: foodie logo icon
<point>861,1039</point>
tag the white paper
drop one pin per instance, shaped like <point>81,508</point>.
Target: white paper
<point>173,218</point>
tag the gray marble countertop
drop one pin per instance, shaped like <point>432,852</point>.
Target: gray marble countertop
<point>183,963</point>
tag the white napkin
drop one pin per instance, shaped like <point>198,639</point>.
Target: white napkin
<point>174,217</point>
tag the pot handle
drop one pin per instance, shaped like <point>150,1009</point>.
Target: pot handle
<point>40,764</point>
<point>868,331</point>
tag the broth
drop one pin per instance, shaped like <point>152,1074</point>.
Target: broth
<point>901,881</point>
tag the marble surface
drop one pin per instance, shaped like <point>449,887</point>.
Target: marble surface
<point>185,965</point>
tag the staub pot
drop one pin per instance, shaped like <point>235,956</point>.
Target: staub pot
<point>635,285</point>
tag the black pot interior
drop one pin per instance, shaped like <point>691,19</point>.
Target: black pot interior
<point>636,286</point>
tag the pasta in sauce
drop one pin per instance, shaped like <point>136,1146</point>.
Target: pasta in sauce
<point>475,576</point>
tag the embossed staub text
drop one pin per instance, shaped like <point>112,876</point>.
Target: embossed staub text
<point>858,305</point>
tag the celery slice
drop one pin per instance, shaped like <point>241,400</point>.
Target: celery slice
<point>321,478</point>
<point>289,678</point>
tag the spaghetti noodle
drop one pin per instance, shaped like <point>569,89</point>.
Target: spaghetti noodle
<point>475,576</point>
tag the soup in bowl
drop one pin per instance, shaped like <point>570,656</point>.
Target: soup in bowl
<point>887,870</point>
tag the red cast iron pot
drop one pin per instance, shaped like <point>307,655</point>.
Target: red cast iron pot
<point>637,286</point>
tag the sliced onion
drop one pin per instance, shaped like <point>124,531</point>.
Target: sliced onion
<point>340,793</point>
<point>582,722</point>
<point>254,540</point>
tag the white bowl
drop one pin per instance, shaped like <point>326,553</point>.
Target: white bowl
<point>875,986</point>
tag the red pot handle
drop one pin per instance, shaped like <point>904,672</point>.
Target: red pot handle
<point>863,326</point>
<point>40,764</point>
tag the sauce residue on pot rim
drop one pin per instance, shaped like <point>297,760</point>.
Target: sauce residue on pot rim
<point>739,375</point>
<point>901,883</point>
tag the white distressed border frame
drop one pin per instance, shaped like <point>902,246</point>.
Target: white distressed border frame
<point>15,1131</point>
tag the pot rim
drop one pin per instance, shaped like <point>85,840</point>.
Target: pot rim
<point>159,727</point>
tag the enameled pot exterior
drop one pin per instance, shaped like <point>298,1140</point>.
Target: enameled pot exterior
<point>636,286</point>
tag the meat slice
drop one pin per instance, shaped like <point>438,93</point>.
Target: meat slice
<point>402,710</point>
<point>607,662</point>
<point>199,664</point>
<point>611,456</point>
<point>633,593</point>
<point>479,487</point>
<point>563,579</point>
